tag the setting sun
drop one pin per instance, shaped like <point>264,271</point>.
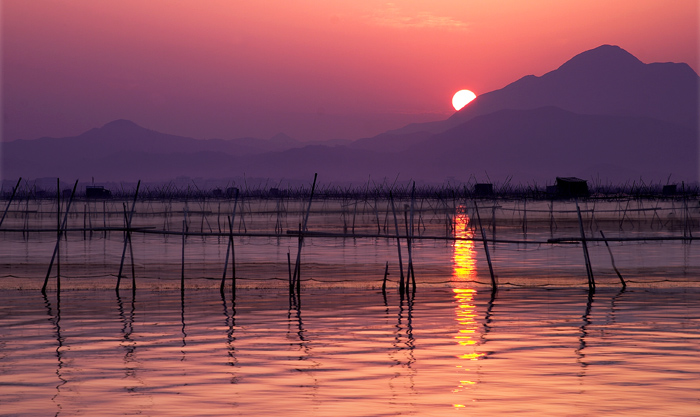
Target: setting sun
<point>462,98</point>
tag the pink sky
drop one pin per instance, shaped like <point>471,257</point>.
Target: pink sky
<point>312,69</point>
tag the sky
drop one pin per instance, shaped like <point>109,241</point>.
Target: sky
<point>312,69</point>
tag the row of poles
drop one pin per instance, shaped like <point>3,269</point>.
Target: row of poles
<point>406,280</point>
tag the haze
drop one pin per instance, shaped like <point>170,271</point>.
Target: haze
<point>313,70</point>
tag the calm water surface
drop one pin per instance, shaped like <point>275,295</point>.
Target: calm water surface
<point>345,352</point>
<point>541,346</point>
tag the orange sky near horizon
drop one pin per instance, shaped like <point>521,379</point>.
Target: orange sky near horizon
<point>312,69</point>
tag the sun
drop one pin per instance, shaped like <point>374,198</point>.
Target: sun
<point>462,98</point>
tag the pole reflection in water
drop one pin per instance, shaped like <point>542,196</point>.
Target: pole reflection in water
<point>463,257</point>
<point>304,362</point>
<point>56,322</point>
<point>131,364</point>
<point>230,324</point>
<point>403,354</point>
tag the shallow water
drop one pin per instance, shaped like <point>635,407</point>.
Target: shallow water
<point>91,259</point>
<point>449,350</point>
<point>541,346</point>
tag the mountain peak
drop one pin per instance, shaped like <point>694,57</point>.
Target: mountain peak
<point>121,124</point>
<point>120,129</point>
<point>606,57</point>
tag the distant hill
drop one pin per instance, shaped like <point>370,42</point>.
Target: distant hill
<point>540,144</point>
<point>601,115</point>
<point>111,151</point>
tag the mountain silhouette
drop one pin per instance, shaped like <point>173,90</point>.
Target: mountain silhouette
<point>603,114</point>
<point>604,80</point>
<point>540,144</point>
<point>118,144</point>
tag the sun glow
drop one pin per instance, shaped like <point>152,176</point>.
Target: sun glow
<point>463,257</point>
<point>462,98</point>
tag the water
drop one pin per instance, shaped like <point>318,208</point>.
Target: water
<point>447,351</point>
<point>542,345</point>
<point>91,259</point>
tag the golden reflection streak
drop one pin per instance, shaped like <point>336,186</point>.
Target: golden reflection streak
<point>464,269</point>
<point>465,312</point>
<point>463,259</point>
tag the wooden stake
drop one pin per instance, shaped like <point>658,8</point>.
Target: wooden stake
<point>587,259</point>
<point>229,247</point>
<point>622,280</point>
<point>297,268</point>
<point>302,229</point>
<point>410,246</point>
<point>12,197</point>
<point>127,235</point>
<point>386,273</point>
<point>58,241</point>
<point>494,284</point>
<point>398,244</point>
<point>289,267</point>
<point>182,275</point>
<point>228,251</point>
<point>233,249</point>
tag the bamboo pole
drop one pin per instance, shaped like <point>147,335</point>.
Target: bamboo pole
<point>133,267</point>
<point>525,218</point>
<point>90,220</point>
<point>12,197</point>
<point>587,259</point>
<point>494,284</point>
<point>58,241</point>
<point>386,274</point>
<point>131,250</point>
<point>182,270</point>
<point>104,217</point>
<point>289,268</point>
<point>297,268</point>
<point>229,247</point>
<point>26,220</point>
<point>127,235</point>
<point>233,261</point>
<point>408,243</point>
<point>410,256</point>
<point>493,221</point>
<point>622,280</point>
<point>228,251</point>
<point>398,244</point>
<point>58,234</point>
<point>297,265</point>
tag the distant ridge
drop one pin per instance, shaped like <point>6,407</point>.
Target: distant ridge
<point>540,144</point>
<point>602,114</point>
<point>604,80</point>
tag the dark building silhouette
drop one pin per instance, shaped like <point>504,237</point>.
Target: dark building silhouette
<point>95,191</point>
<point>568,187</point>
<point>483,189</point>
<point>670,189</point>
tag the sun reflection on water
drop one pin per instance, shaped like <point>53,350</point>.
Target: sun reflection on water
<point>463,259</point>
<point>464,269</point>
<point>465,313</point>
